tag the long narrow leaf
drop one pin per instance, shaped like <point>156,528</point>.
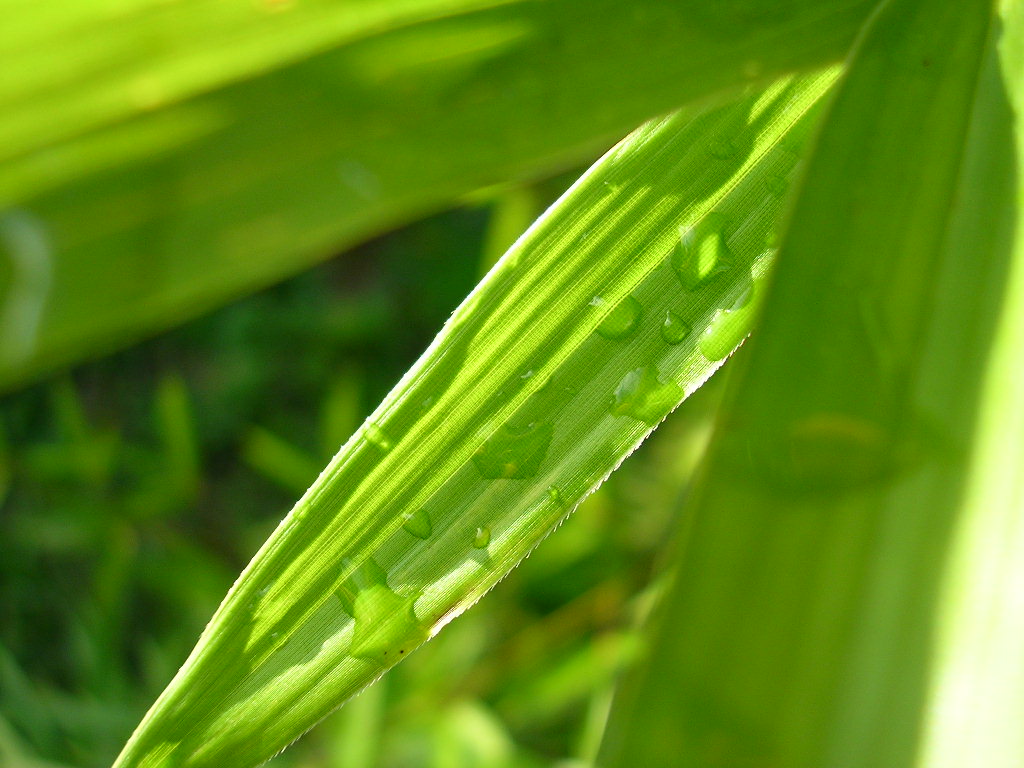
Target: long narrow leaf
<point>977,688</point>
<point>160,161</point>
<point>800,625</point>
<point>618,302</point>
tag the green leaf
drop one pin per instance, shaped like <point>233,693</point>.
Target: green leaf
<point>851,559</point>
<point>159,162</point>
<point>521,407</point>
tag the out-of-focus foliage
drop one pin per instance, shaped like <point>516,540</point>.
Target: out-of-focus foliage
<point>159,158</point>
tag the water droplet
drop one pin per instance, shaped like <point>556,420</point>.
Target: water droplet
<point>730,326</point>
<point>702,252</point>
<point>723,149</point>
<point>621,321</point>
<point>644,397</point>
<point>482,537</point>
<point>512,453</point>
<point>418,524</point>
<point>386,626</point>
<point>776,184</point>
<point>555,495</point>
<point>375,436</point>
<point>674,329</point>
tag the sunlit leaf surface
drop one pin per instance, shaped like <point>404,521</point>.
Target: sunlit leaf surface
<point>623,298</point>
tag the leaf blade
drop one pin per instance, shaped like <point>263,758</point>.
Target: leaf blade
<point>797,628</point>
<point>519,408</point>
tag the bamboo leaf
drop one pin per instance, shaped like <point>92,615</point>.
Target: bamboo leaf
<point>542,382</point>
<point>873,432</point>
<point>158,162</point>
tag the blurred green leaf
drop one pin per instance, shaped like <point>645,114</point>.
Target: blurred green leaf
<point>356,737</point>
<point>340,412</point>
<point>158,159</point>
<point>863,489</point>
<point>278,460</point>
<point>13,754</point>
<point>512,212</point>
<point>173,413</point>
<point>5,466</point>
<point>542,382</point>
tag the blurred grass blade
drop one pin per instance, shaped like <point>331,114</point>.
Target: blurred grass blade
<point>978,686</point>
<point>625,296</point>
<point>160,162</point>
<point>799,626</point>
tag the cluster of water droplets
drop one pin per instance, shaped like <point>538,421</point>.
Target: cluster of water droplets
<point>386,625</point>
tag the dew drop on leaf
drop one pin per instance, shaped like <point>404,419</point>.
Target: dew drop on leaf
<point>513,454</point>
<point>418,524</point>
<point>674,329</point>
<point>376,436</point>
<point>644,397</point>
<point>386,626</point>
<point>621,321</point>
<point>482,537</point>
<point>702,252</point>
<point>729,326</point>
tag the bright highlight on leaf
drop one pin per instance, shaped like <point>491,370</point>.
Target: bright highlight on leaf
<point>847,590</point>
<point>530,396</point>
